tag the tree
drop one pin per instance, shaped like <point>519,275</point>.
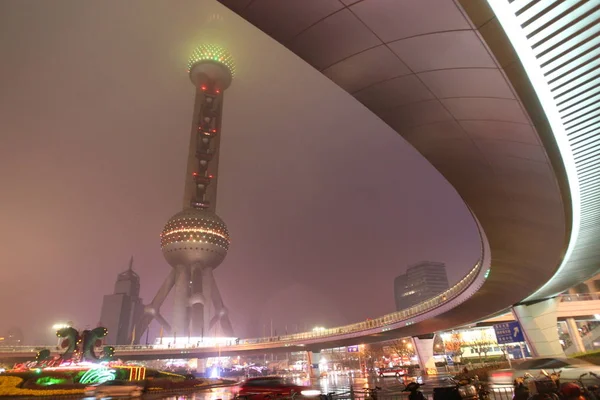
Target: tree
<point>438,345</point>
<point>370,354</point>
<point>482,345</point>
<point>343,359</point>
<point>454,345</point>
<point>402,347</point>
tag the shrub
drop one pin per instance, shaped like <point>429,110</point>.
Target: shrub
<point>9,386</point>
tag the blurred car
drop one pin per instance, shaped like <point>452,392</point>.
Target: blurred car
<point>114,388</point>
<point>570,370</point>
<point>273,386</point>
<point>394,371</point>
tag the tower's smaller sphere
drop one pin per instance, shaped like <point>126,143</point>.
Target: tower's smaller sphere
<point>212,62</point>
<point>195,237</point>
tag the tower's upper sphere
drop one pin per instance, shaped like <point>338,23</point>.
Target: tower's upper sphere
<point>195,237</point>
<point>213,62</point>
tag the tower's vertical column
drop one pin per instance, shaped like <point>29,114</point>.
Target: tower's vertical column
<point>203,157</point>
<point>206,290</point>
<point>198,302</point>
<point>181,301</point>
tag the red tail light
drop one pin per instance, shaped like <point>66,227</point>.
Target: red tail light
<point>502,374</point>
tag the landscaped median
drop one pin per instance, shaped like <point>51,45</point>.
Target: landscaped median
<point>54,383</point>
<point>11,386</point>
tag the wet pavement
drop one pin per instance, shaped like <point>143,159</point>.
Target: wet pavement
<point>340,385</point>
<point>391,389</point>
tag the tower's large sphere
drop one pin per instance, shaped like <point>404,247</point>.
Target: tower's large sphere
<point>195,237</point>
<point>212,62</point>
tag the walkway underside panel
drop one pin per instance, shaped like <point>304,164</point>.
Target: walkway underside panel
<point>447,79</point>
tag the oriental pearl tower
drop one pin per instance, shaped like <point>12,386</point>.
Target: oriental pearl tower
<point>195,240</point>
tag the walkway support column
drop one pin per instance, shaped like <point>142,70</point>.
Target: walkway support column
<point>539,323</point>
<point>424,348</point>
<point>312,357</point>
<point>575,335</point>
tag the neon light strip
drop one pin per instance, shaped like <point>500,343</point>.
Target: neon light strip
<point>507,18</point>
<point>195,230</point>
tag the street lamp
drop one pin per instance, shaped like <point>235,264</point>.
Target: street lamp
<point>56,327</point>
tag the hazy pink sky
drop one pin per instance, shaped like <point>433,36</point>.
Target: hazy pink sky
<point>324,202</point>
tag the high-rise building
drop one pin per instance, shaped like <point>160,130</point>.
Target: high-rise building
<point>420,282</point>
<point>195,240</point>
<point>122,308</point>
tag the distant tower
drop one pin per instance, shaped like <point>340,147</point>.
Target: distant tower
<point>195,241</point>
<point>122,308</point>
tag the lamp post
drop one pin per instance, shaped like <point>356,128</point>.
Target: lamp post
<point>56,327</point>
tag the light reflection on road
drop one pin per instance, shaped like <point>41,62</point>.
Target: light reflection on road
<point>335,383</point>
<point>390,388</point>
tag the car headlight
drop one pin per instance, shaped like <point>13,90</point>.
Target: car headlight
<point>310,393</point>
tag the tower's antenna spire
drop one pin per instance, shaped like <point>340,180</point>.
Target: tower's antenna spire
<point>131,264</point>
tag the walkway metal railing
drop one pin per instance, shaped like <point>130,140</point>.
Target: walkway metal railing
<point>580,297</point>
<point>381,322</point>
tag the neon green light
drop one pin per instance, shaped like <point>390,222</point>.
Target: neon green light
<point>97,375</point>
<point>210,52</point>
<point>49,381</point>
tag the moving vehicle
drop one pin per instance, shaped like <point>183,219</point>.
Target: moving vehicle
<point>113,389</point>
<point>266,387</point>
<point>570,370</point>
<point>394,371</point>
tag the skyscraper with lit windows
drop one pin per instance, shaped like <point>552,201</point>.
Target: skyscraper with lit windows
<point>421,281</point>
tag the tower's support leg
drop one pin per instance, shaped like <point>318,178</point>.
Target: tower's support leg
<point>575,336</point>
<point>154,308</point>
<point>181,303</point>
<point>207,292</point>
<point>220,308</point>
<point>198,304</point>
<point>539,321</point>
<point>424,349</point>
